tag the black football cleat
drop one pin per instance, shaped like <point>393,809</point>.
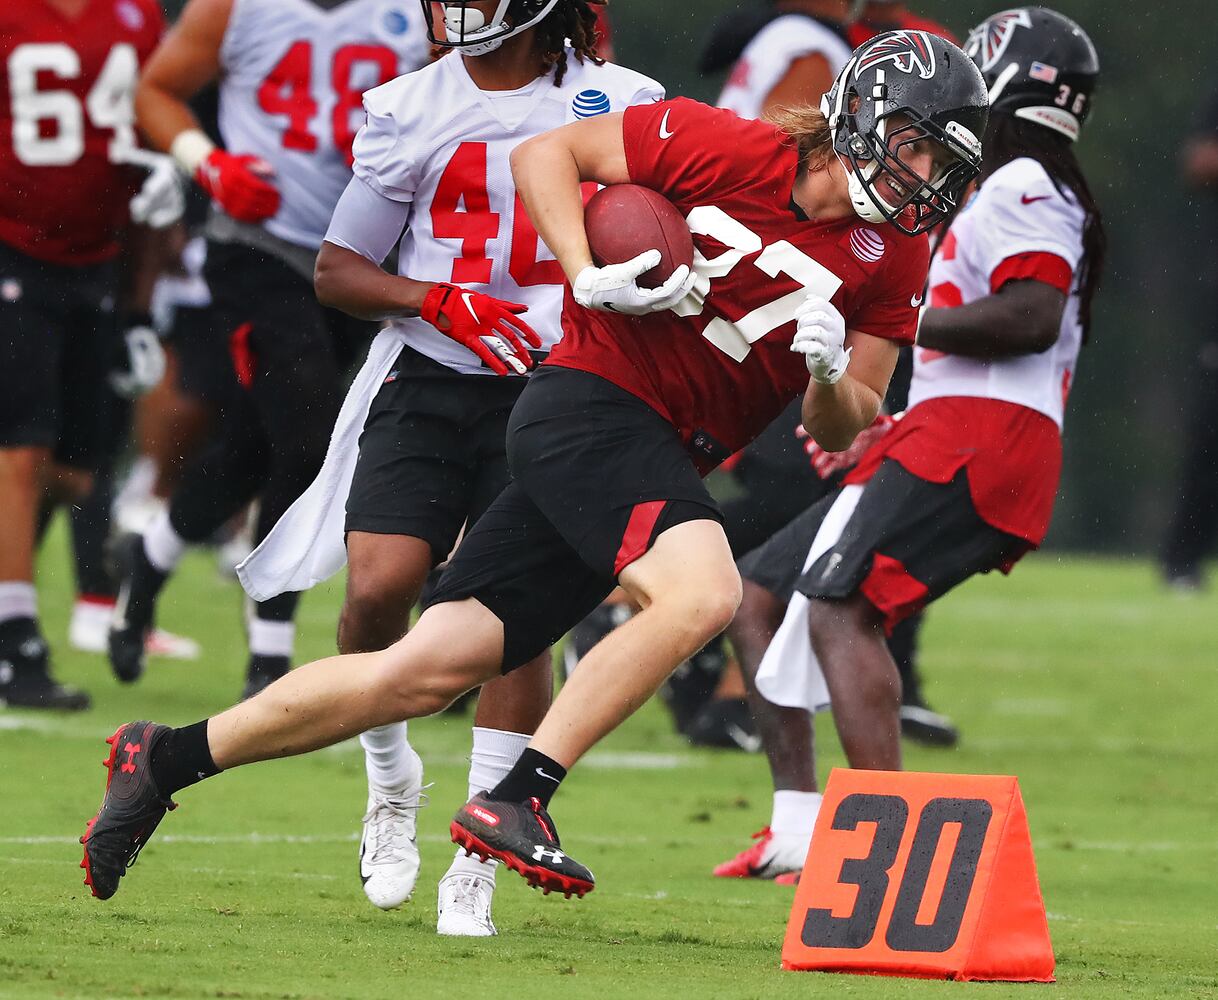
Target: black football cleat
<point>725,723</point>
<point>25,676</point>
<point>924,725</point>
<point>523,837</point>
<point>140,584</point>
<point>130,810</point>
<point>262,672</point>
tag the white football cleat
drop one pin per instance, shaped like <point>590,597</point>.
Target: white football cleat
<point>388,851</point>
<point>90,626</point>
<point>463,906</point>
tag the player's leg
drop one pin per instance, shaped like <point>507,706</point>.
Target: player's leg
<point>769,574</point>
<point>908,542</point>
<point>919,722</point>
<point>34,332</point>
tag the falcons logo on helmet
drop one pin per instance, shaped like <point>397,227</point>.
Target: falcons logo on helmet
<point>909,51</point>
<point>991,39</point>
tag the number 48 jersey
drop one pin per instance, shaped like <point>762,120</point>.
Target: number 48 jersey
<point>719,366</point>
<point>67,117</point>
<point>437,142</point>
<point>294,75</point>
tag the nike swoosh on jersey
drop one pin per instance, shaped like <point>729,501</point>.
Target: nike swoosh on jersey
<point>1040,197</point>
<point>664,133</point>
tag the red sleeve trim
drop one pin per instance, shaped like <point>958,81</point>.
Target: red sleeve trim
<point>1038,266</point>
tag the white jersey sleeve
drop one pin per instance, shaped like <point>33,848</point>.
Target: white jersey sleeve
<point>768,57</point>
<point>1018,226</point>
<point>383,159</point>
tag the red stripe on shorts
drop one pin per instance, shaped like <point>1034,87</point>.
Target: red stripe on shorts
<point>637,537</point>
<point>895,594</point>
<point>242,353</point>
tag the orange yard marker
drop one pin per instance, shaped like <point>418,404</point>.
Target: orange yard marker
<point>922,875</point>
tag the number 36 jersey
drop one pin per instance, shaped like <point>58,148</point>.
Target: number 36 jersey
<point>719,365</point>
<point>67,116</point>
<point>436,141</point>
<point>293,77</point>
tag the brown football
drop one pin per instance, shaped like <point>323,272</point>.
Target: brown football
<point>624,220</point>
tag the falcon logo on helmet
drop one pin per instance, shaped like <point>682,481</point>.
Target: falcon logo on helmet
<point>909,51</point>
<point>988,42</point>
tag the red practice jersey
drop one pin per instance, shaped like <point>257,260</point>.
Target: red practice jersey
<point>66,116</point>
<point>863,31</point>
<point>719,366</point>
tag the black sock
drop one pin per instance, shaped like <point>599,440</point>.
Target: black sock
<point>182,758</point>
<point>535,776</point>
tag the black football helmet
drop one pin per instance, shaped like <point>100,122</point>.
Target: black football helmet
<point>467,29</point>
<point>900,88</point>
<point>1038,65</point>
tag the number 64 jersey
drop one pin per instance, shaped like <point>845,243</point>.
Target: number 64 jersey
<point>439,144</point>
<point>719,366</point>
<point>67,87</point>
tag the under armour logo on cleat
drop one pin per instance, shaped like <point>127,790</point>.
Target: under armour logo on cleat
<point>541,853</point>
<point>130,750</point>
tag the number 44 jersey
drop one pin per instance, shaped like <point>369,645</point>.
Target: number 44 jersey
<point>719,365</point>
<point>66,118</point>
<point>293,78</point>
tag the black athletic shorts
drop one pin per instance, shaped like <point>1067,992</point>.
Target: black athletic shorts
<point>278,339</point>
<point>907,544</point>
<point>598,475</point>
<point>777,563</point>
<point>432,453</point>
<point>205,366</point>
<point>58,343</point>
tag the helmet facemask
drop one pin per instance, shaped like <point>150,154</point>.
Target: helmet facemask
<point>467,29</point>
<point>907,200</point>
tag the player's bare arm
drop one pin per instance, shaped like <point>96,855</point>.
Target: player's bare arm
<point>186,61</point>
<point>1023,317</point>
<point>346,280</point>
<point>806,79</point>
<point>548,170</point>
<point>1201,163</point>
<point>835,413</point>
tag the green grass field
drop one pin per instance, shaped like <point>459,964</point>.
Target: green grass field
<point>1080,676</point>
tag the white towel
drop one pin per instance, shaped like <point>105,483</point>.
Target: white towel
<point>789,674</point>
<point>307,544</point>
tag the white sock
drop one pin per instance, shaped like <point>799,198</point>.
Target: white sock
<point>387,757</point>
<point>495,752</point>
<point>162,545</point>
<point>271,638</point>
<point>795,813</point>
<point>18,599</point>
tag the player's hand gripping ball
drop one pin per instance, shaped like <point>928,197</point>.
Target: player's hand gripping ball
<point>642,251</point>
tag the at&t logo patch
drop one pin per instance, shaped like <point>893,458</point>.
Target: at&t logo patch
<point>590,103</point>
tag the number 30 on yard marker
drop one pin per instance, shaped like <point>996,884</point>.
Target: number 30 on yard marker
<point>924,875</point>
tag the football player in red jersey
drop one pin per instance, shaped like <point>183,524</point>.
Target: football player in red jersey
<point>811,252</point>
<point>68,157</point>
<point>878,16</point>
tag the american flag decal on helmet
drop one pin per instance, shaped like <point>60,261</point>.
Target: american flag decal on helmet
<point>909,51</point>
<point>990,40</point>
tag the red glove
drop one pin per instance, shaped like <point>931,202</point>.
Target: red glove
<point>487,326</point>
<point>240,185</point>
<point>828,463</point>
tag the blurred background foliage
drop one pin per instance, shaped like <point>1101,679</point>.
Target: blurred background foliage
<point>1128,411</point>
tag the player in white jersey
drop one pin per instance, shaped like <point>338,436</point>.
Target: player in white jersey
<point>291,75</point>
<point>476,292</point>
<point>964,482</point>
<point>792,60</point>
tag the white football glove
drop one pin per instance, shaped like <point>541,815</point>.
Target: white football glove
<point>614,288</point>
<point>820,336</point>
<point>145,363</point>
<point>161,199</point>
